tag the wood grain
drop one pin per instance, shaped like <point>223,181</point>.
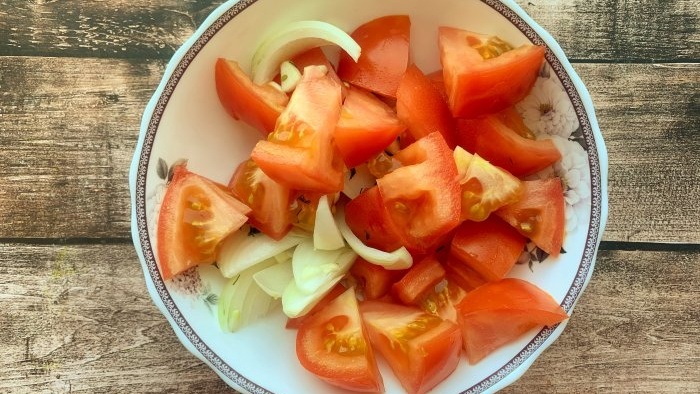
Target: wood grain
<point>69,136</point>
<point>79,319</point>
<point>601,30</point>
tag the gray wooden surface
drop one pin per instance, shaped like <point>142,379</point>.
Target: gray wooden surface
<point>74,312</point>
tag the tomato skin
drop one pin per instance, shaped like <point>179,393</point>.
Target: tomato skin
<point>368,219</point>
<point>462,275</point>
<point>539,214</point>
<point>476,86</point>
<point>491,248</point>
<point>350,362</point>
<point>268,200</point>
<point>419,281</point>
<point>256,105</point>
<point>421,358</point>
<point>499,312</point>
<point>491,139</point>
<point>365,128</point>
<point>437,79</point>
<point>385,54</point>
<point>422,108</point>
<point>422,198</point>
<point>299,153</point>
<point>193,208</point>
<point>374,280</point>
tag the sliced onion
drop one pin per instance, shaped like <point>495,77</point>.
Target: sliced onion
<point>357,180</point>
<point>327,236</point>
<point>396,260</point>
<point>243,249</point>
<point>296,303</point>
<point>274,279</point>
<point>314,268</point>
<point>242,301</point>
<point>289,76</point>
<point>294,39</point>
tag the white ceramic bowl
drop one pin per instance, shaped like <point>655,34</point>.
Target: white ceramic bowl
<point>184,120</point>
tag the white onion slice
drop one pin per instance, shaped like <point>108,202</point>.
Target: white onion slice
<point>396,260</point>
<point>314,268</point>
<point>242,301</point>
<point>327,236</point>
<point>296,303</point>
<point>242,249</point>
<point>296,38</point>
<point>274,279</point>
<point>290,76</point>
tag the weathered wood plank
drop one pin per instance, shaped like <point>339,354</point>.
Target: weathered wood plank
<point>69,137</point>
<point>607,30</point>
<point>79,319</point>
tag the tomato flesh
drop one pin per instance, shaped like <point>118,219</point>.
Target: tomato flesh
<point>491,139</point>
<point>385,54</point>
<point>499,312</point>
<point>257,105</point>
<point>481,82</point>
<point>365,128</point>
<point>369,220</point>
<point>333,345</point>
<point>419,281</point>
<point>490,248</point>
<point>299,153</point>
<point>539,214</point>
<point>421,348</point>
<point>374,281</point>
<point>422,108</point>
<point>195,216</point>
<point>422,198</point>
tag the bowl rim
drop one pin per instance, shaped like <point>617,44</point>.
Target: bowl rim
<point>504,376</point>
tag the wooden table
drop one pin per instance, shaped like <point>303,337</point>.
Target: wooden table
<point>74,312</point>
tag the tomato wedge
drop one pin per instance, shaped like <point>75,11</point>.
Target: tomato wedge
<point>422,198</point>
<point>491,139</point>
<point>299,153</point>
<point>422,108</point>
<point>333,345</point>
<point>483,74</point>
<point>365,128</point>
<point>500,312</point>
<point>462,275</point>
<point>421,348</point>
<point>268,200</point>
<point>485,187</point>
<point>316,57</point>
<point>539,214</point>
<point>374,281</point>
<point>419,281</point>
<point>369,220</point>
<point>195,216</point>
<point>256,105</point>
<point>490,248</point>
<point>385,53</point>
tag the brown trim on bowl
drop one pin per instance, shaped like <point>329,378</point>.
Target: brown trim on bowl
<point>572,294</point>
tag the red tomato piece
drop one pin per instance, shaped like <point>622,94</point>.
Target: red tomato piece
<point>490,248</point>
<point>491,139</point>
<point>365,128</point>
<point>195,216</point>
<point>437,79</point>
<point>500,312</point>
<point>422,108</point>
<point>295,322</point>
<point>385,54</point>
<point>256,105</point>
<point>482,75</point>
<point>539,214</point>
<point>316,57</point>
<point>421,348</point>
<point>373,280</point>
<point>369,220</point>
<point>333,345</point>
<point>299,153</point>
<point>419,281</point>
<point>422,198</point>
<point>443,302</point>
<point>462,275</point>
<point>268,200</point>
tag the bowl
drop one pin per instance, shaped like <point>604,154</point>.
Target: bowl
<point>184,120</point>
